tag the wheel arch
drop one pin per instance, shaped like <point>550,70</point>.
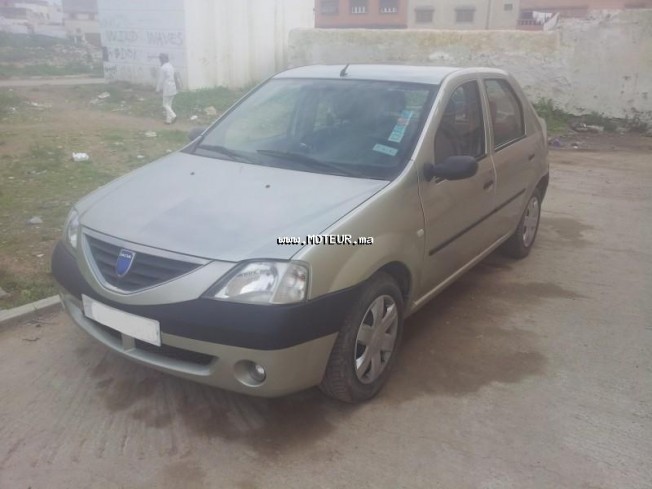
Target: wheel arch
<point>401,273</point>
<point>543,185</point>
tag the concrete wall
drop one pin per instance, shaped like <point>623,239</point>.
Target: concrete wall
<point>238,43</point>
<point>602,64</point>
<point>210,42</point>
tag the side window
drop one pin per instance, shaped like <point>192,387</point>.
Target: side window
<point>461,130</point>
<point>506,112</point>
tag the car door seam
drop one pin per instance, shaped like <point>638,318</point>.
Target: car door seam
<point>444,244</point>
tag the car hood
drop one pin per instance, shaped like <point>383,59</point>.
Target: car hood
<point>220,209</point>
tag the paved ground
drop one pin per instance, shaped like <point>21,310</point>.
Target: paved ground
<point>531,374</point>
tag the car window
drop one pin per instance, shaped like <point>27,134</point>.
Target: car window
<point>506,112</point>
<point>352,127</point>
<point>461,130</point>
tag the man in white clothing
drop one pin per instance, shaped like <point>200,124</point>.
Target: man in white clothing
<point>167,87</point>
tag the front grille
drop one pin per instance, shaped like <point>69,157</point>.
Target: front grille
<point>146,270</point>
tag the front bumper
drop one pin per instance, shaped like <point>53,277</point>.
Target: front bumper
<point>207,341</point>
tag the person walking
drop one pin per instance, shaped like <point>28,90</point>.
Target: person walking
<point>167,87</point>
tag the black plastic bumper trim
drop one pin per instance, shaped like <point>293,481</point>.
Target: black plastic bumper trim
<point>260,327</point>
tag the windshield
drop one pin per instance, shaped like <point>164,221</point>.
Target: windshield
<point>344,127</point>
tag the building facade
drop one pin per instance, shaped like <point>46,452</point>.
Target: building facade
<point>80,19</point>
<point>463,14</point>
<point>369,14</point>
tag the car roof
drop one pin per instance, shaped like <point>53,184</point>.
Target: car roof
<point>432,75</point>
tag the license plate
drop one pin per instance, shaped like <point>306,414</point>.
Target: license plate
<point>144,329</point>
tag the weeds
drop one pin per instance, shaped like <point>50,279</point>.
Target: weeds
<point>556,119</point>
<point>8,101</point>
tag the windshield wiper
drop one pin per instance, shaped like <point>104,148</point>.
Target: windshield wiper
<point>223,150</point>
<point>310,162</point>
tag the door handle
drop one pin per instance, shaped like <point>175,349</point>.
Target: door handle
<point>531,157</point>
<point>488,184</point>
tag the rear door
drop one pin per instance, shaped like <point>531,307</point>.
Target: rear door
<point>513,151</point>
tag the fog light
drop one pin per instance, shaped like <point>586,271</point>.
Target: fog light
<point>257,372</point>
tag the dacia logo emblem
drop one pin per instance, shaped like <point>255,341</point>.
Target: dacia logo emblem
<point>124,262</point>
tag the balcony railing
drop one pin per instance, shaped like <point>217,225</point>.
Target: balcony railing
<point>388,10</point>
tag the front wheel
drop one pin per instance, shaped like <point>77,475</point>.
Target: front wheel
<point>520,243</point>
<point>366,347</point>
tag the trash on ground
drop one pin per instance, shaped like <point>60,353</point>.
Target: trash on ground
<point>104,95</point>
<point>210,111</point>
<point>556,143</point>
<point>35,220</point>
<point>140,157</point>
<point>595,129</point>
<point>194,117</point>
<point>77,157</point>
<point>150,134</point>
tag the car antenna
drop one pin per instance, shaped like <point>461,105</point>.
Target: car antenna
<point>343,73</point>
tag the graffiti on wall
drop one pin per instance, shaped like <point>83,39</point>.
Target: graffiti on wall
<point>132,39</point>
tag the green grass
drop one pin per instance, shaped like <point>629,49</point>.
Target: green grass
<point>41,182</point>
<point>556,119</point>
<point>142,101</point>
<point>9,40</point>
<point>24,55</point>
<point>24,290</point>
<point>8,100</point>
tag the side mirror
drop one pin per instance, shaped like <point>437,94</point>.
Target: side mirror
<point>195,132</point>
<point>452,168</point>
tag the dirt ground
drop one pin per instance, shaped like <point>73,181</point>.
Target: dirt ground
<point>40,128</point>
<point>523,374</point>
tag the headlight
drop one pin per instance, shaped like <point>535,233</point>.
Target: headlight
<point>264,283</point>
<point>71,231</point>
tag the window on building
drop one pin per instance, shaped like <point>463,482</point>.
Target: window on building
<point>423,15</point>
<point>329,7</point>
<point>505,111</point>
<point>388,6</point>
<point>359,6</point>
<point>508,7</point>
<point>464,14</point>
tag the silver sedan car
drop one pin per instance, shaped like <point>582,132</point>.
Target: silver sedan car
<point>284,247</point>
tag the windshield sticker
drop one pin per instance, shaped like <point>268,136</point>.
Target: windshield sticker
<point>381,148</point>
<point>401,125</point>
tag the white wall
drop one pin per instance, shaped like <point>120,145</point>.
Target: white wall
<point>603,64</point>
<point>211,42</point>
<point>238,43</point>
<point>134,33</point>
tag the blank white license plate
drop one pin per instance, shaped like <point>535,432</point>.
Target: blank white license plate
<point>138,327</point>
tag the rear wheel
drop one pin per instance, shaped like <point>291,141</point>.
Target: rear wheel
<point>520,243</point>
<point>365,349</point>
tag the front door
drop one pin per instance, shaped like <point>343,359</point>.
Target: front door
<point>458,214</point>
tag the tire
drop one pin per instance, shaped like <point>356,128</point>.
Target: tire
<point>364,353</point>
<point>520,243</point>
